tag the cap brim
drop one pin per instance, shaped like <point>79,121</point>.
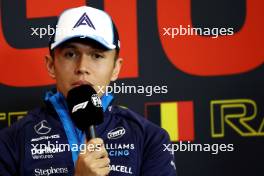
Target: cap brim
<point>96,39</point>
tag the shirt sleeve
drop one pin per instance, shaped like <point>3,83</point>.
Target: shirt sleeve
<point>156,159</point>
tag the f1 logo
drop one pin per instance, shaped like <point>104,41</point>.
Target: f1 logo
<point>236,114</point>
<point>79,106</point>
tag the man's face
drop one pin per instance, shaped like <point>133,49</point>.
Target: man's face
<point>78,63</point>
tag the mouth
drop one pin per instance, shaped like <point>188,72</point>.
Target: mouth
<point>80,83</point>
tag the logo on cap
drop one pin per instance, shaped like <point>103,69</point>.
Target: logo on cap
<point>84,20</point>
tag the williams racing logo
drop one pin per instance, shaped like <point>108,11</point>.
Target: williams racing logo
<point>119,150</point>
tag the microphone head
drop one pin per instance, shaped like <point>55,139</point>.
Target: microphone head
<point>85,107</point>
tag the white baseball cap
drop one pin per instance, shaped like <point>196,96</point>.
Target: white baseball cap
<point>86,23</point>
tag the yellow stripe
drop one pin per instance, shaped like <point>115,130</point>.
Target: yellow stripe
<point>169,119</point>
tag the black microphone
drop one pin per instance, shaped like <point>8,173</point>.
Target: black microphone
<point>85,108</point>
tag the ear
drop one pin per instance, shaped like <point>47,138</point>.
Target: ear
<point>117,68</point>
<point>50,66</point>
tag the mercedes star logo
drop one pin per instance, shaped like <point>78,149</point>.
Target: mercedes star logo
<point>42,127</point>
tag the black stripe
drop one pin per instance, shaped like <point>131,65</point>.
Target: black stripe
<point>153,114</point>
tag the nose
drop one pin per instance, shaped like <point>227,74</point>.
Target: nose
<point>82,65</point>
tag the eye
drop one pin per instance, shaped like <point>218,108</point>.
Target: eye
<point>98,56</point>
<point>70,54</point>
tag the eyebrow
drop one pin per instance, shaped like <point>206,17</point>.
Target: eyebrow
<point>70,45</point>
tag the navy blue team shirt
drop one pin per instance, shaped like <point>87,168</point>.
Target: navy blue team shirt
<point>135,145</point>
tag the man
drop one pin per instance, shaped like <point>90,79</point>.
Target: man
<point>84,50</point>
